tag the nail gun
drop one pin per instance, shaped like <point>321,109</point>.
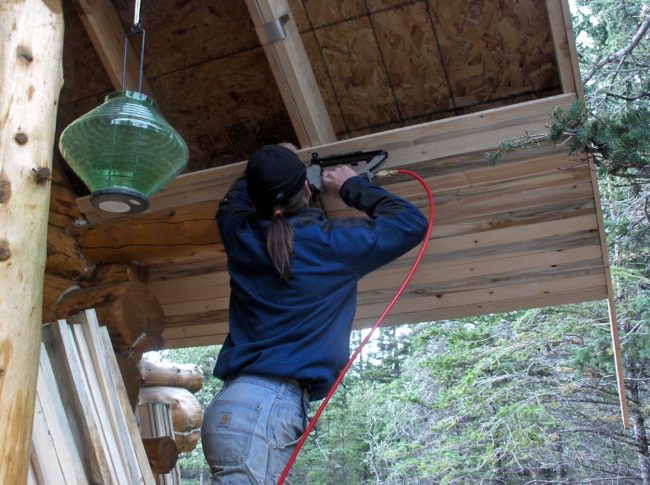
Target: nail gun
<point>373,159</point>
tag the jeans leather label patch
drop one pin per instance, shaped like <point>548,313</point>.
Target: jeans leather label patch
<point>224,419</point>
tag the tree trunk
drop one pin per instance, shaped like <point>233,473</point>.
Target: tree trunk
<point>30,82</point>
<point>640,435</point>
<point>162,453</point>
<point>188,376</point>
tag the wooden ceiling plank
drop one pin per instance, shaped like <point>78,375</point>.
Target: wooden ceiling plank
<point>468,310</point>
<point>107,34</point>
<point>293,74</point>
<point>533,289</point>
<point>192,230</point>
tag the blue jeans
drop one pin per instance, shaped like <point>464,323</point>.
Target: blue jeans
<point>251,428</point>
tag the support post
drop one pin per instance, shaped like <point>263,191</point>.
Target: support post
<point>31,77</point>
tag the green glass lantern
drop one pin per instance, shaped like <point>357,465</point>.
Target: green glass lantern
<point>124,151</point>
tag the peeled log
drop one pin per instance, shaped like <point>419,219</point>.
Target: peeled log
<point>31,77</point>
<point>187,414</point>
<point>64,255</point>
<point>108,274</point>
<point>129,310</point>
<point>168,374</point>
<point>162,453</point>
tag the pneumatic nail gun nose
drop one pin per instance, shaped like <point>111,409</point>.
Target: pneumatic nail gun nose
<point>372,160</point>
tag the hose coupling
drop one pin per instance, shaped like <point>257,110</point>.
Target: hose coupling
<point>386,173</point>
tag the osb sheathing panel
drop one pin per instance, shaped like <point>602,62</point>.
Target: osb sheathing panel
<point>412,59</point>
<point>380,64</point>
<point>495,49</point>
<point>185,33</point>
<point>224,107</point>
<point>387,63</point>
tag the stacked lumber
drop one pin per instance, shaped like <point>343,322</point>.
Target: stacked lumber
<point>156,423</point>
<point>84,429</point>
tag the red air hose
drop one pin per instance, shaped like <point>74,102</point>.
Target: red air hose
<point>390,306</point>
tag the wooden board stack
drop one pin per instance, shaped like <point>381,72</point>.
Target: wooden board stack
<point>84,429</point>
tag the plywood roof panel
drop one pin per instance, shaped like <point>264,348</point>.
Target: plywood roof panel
<point>182,34</point>
<point>223,107</point>
<point>379,64</point>
<point>355,67</point>
<point>410,53</point>
<point>495,49</point>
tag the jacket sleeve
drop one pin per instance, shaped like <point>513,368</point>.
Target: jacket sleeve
<point>235,207</point>
<point>393,227</point>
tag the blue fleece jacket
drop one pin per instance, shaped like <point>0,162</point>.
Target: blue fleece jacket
<point>301,328</point>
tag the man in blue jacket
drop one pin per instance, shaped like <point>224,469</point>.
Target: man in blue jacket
<point>293,279</point>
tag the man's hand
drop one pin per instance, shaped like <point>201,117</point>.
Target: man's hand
<point>334,179</point>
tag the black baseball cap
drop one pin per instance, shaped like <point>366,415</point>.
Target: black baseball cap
<point>274,174</point>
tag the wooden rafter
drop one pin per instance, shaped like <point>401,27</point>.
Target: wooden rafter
<point>107,35</point>
<point>565,48</point>
<point>293,73</point>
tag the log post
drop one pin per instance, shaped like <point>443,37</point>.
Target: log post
<point>30,82</point>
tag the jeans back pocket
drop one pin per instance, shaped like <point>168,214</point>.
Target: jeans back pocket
<point>227,432</point>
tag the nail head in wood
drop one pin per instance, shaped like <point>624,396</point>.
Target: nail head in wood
<point>21,138</point>
<point>5,250</point>
<point>5,191</point>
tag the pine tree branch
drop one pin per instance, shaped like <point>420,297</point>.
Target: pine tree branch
<point>640,33</point>
<point>627,98</point>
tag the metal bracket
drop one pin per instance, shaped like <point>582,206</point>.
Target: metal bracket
<point>273,31</point>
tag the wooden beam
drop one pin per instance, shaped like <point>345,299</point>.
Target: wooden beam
<point>559,15</point>
<point>293,73</point>
<point>31,78</point>
<point>129,310</point>
<point>107,35</point>
<point>64,256</point>
<point>162,453</point>
<point>189,376</point>
<point>471,133</point>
